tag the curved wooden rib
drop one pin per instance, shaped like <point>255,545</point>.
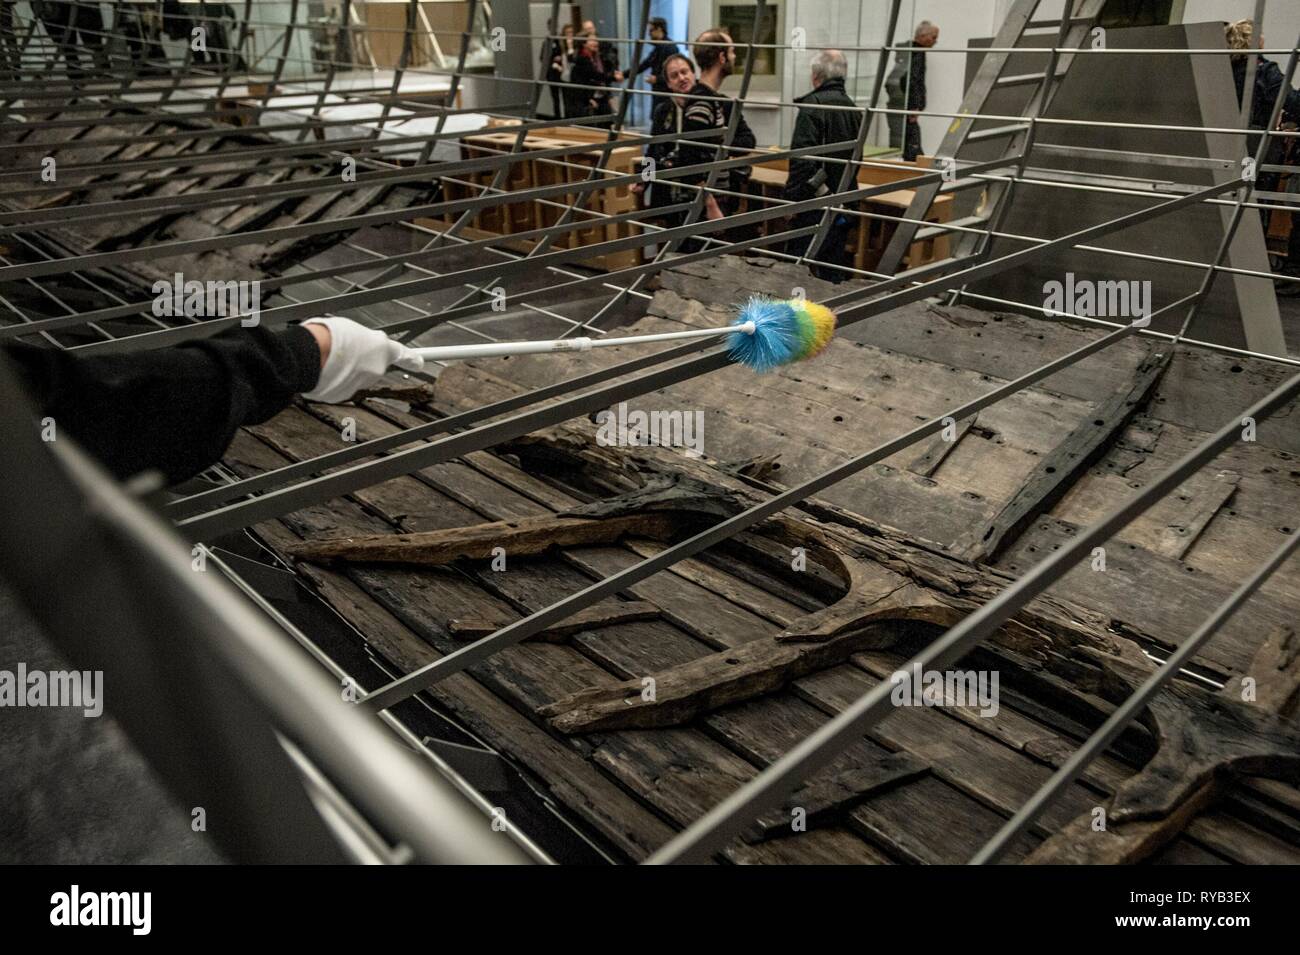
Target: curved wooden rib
<point>1205,740</point>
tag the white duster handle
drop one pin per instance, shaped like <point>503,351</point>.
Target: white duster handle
<point>501,349</point>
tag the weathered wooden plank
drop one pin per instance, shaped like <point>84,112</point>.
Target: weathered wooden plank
<point>929,460</point>
<point>854,776</point>
<point>604,614</point>
<point>770,606</point>
<point>1188,596</point>
<point>578,785</point>
<point>403,499</point>
<point>717,622</point>
<point>959,755</point>
<point>680,772</point>
<point>524,537</point>
<point>1061,467</point>
<point>832,846</point>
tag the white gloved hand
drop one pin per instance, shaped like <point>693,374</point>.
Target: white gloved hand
<point>358,357</point>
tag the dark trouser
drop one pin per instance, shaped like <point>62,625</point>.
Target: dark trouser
<point>576,103</point>
<point>11,55</point>
<point>63,20</point>
<point>834,251</point>
<point>905,135</point>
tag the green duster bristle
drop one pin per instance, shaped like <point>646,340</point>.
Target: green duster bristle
<point>784,331</point>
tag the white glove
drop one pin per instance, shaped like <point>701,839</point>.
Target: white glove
<point>359,357</point>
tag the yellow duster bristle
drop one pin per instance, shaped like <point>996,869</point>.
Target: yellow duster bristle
<point>821,322</point>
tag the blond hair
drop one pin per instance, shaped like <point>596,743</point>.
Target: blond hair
<point>1239,36</point>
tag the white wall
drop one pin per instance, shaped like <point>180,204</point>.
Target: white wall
<point>945,73</point>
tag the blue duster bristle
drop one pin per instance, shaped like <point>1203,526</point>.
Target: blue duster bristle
<point>776,340</point>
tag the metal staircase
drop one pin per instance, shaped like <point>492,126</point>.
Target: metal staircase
<point>1072,32</point>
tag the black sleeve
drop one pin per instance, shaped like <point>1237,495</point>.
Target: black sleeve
<point>1271,81</point>
<point>660,123</point>
<point>798,185</point>
<point>744,137</point>
<point>171,409</point>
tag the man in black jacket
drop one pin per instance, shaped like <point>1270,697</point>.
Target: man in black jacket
<point>826,115</point>
<point>706,108</point>
<point>661,48</point>
<point>176,409</point>
<point>906,88</point>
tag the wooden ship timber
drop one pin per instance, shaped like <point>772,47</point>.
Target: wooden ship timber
<point>749,655</point>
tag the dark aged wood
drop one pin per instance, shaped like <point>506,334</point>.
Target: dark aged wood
<point>738,597</point>
<point>420,396</point>
<point>596,799</point>
<point>660,511</point>
<point>875,593</point>
<point>924,820</point>
<point>518,538</point>
<point>1204,740</point>
<point>1057,471</point>
<point>827,797</point>
<point>603,614</point>
<point>929,460</point>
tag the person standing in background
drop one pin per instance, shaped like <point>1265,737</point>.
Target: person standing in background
<point>608,51</point>
<point>826,115</point>
<point>1269,85</point>
<point>661,48</point>
<point>715,54</point>
<point>679,76</point>
<point>552,67</point>
<point>562,70</point>
<point>906,88</point>
<point>590,81</point>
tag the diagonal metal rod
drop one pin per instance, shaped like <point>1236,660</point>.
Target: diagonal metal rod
<point>767,790</point>
<point>426,676</point>
<point>363,475</point>
<point>1110,730</point>
<point>1106,734</point>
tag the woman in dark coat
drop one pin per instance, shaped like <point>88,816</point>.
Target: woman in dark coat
<point>590,90</point>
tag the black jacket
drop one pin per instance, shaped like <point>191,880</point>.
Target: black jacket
<point>666,118</point>
<point>660,50</point>
<point>819,127</point>
<point>587,72</point>
<point>171,409</point>
<point>907,79</point>
<point>713,113</point>
<point>1268,84</point>
<point>609,57</point>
